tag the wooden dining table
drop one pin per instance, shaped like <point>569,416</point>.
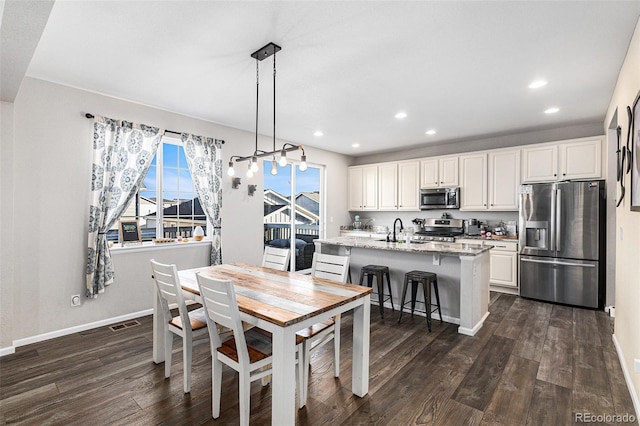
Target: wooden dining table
<point>284,303</point>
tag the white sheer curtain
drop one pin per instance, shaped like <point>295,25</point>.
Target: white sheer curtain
<point>122,153</point>
<point>204,157</point>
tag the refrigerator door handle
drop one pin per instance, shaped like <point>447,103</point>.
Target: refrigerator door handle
<point>552,222</point>
<point>558,227</point>
<point>553,262</point>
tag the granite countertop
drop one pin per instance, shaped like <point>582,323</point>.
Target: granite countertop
<point>431,247</point>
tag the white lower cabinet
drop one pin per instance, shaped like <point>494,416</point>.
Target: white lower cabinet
<point>503,272</point>
<point>503,264</point>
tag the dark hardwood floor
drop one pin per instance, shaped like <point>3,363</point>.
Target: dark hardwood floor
<point>532,363</point>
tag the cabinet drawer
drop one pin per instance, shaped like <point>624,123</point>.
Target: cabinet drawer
<point>503,245</point>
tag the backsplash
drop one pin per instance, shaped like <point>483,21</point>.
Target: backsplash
<point>489,218</point>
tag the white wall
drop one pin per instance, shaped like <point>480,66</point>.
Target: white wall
<point>51,160</point>
<point>628,228</point>
<point>6,224</point>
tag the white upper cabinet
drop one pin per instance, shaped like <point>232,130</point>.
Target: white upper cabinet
<point>581,159</point>
<point>388,186</point>
<point>473,182</point>
<point>577,159</point>
<point>490,181</point>
<point>408,185</point>
<point>540,164</point>
<point>363,188</point>
<point>439,172</point>
<point>504,179</point>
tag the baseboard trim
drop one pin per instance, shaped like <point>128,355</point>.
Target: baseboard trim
<point>475,329</point>
<point>7,351</point>
<point>627,376</point>
<point>78,328</point>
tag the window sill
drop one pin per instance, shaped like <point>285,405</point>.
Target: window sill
<point>150,246</point>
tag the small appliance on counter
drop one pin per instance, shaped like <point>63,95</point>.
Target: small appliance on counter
<point>472,227</point>
<point>357,224</point>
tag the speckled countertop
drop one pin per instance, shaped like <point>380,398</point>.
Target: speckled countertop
<point>427,248</point>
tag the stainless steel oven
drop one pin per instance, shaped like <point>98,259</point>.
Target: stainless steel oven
<point>439,198</point>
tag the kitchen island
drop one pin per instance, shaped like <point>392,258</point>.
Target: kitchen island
<point>463,272</point>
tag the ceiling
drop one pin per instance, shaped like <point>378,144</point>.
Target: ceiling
<point>346,68</point>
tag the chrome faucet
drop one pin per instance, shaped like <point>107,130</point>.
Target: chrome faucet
<point>395,240</point>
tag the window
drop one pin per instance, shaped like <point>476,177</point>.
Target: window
<point>166,205</point>
<point>284,229</point>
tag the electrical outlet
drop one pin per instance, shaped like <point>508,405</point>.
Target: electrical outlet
<point>636,363</point>
<point>75,300</point>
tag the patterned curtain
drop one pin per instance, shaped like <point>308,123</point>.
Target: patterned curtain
<point>205,164</point>
<point>122,153</point>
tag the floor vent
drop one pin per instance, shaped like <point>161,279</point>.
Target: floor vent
<point>124,325</point>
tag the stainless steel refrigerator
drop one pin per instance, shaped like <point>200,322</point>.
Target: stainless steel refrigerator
<point>562,242</point>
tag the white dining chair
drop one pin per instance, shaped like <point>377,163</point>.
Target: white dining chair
<point>335,268</point>
<point>187,324</point>
<point>276,258</point>
<point>248,352</point>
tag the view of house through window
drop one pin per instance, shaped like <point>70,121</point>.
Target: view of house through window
<point>166,205</point>
<point>297,191</point>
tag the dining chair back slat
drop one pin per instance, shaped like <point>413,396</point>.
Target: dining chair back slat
<point>276,258</point>
<point>330,267</point>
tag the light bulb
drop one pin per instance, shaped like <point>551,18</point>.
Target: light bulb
<point>254,164</point>
<point>303,163</point>
<point>274,167</point>
<point>283,158</point>
<point>249,173</point>
<point>231,172</point>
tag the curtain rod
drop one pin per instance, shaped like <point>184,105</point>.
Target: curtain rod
<point>89,115</point>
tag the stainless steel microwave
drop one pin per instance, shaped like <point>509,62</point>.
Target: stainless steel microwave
<point>439,198</point>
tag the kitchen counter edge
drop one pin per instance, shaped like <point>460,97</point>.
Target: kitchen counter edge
<point>432,247</point>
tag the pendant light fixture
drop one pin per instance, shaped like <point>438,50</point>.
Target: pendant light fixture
<point>263,53</point>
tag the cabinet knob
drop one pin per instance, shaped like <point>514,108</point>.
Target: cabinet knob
<point>564,174</point>
<point>484,205</point>
<point>555,174</point>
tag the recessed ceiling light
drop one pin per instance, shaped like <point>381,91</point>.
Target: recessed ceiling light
<point>401,115</point>
<point>551,110</point>
<point>318,133</point>
<point>430,132</point>
<point>356,145</point>
<point>537,84</point>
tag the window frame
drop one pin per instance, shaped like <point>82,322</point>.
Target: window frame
<point>159,191</point>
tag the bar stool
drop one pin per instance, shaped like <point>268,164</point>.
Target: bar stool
<point>426,278</point>
<point>379,272</point>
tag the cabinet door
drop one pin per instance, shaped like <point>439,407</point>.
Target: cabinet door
<point>408,186</point>
<point>387,186</point>
<point>473,182</point>
<point>355,188</point>
<point>581,160</point>
<point>503,268</point>
<point>448,168</point>
<point>370,187</point>
<point>504,180</point>
<point>540,164</point>
<point>429,173</point>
